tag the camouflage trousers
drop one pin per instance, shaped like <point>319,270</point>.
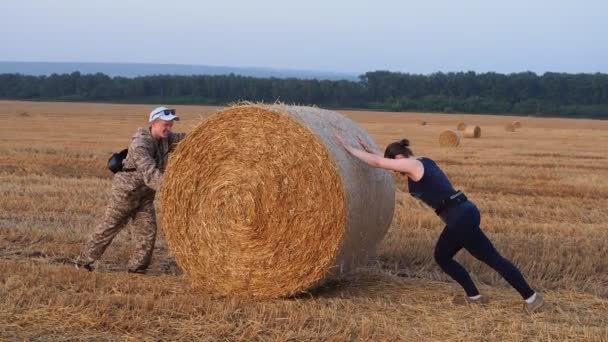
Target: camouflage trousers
<point>127,201</point>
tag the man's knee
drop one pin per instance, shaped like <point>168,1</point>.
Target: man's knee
<point>120,207</point>
<point>144,228</point>
<point>146,237</point>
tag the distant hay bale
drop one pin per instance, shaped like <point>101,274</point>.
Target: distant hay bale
<point>461,126</point>
<point>472,132</point>
<point>449,138</point>
<point>510,127</point>
<point>260,201</point>
<point>423,123</point>
<point>516,124</point>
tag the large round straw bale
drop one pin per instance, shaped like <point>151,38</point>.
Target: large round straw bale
<point>449,138</point>
<point>461,126</point>
<point>472,132</point>
<point>516,124</point>
<point>260,201</point>
<point>422,123</point>
<point>510,127</point>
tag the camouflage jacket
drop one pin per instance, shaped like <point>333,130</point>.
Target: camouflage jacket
<point>148,157</point>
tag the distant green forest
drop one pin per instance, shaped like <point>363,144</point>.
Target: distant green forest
<point>550,94</point>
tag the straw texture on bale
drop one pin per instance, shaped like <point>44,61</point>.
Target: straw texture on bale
<point>461,126</point>
<point>517,124</point>
<point>260,201</point>
<point>472,132</point>
<point>510,127</point>
<point>449,138</point>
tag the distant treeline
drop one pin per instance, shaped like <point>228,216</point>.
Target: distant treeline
<point>550,94</point>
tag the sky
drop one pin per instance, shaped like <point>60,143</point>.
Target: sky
<point>351,36</point>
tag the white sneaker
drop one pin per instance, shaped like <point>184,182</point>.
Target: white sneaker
<point>462,300</point>
<point>535,306</point>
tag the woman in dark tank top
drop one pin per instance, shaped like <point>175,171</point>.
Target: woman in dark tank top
<point>428,183</point>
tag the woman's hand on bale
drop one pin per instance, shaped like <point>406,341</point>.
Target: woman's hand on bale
<point>364,145</point>
<point>341,141</point>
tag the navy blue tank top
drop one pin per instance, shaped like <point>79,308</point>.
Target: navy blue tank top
<point>433,187</point>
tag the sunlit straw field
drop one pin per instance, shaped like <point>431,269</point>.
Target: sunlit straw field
<point>542,191</point>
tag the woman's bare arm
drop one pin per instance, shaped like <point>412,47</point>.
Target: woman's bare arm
<point>411,167</point>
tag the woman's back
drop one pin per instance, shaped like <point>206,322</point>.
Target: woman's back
<point>433,187</point>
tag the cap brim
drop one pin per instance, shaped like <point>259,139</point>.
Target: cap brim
<point>168,117</point>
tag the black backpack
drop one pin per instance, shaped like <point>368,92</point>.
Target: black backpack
<point>115,161</point>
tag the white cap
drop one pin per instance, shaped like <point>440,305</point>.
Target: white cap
<point>163,113</point>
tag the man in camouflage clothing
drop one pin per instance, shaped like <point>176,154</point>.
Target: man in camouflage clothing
<point>133,191</point>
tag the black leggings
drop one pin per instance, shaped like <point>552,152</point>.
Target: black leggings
<point>462,231</point>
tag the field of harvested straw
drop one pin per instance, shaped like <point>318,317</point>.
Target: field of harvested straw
<point>542,191</point>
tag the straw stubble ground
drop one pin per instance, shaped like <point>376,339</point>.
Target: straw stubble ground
<point>542,191</point>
